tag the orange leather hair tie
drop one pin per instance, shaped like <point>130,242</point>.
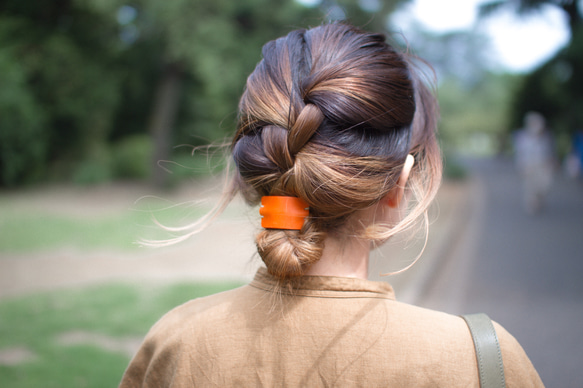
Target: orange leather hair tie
<point>283,212</point>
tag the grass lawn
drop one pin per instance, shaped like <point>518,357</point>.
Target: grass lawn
<point>34,350</point>
<point>115,311</point>
<point>26,231</point>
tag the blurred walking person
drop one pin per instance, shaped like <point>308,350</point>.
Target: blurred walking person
<point>535,161</point>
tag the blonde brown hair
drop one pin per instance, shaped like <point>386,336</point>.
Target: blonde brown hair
<point>329,115</point>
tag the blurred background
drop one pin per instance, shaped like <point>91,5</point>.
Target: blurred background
<point>104,108</point>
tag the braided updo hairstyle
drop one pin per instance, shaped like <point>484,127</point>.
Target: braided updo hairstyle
<point>329,115</point>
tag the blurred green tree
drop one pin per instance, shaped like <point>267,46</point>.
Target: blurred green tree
<point>571,8</point>
<point>555,89</point>
<point>59,91</point>
<point>79,75</point>
<point>474,117</point>
<point>206,50</point>
<point>474,100</point>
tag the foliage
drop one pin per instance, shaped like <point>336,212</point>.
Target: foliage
<point>556,88</point>
<point>117,311</point>
<point>131,157</point>
<point>78,75</point>
<point>23,143</point>
<point>474,117</point>
<point>571,8</point>
<point>460,55</point>
<point>454,170</point>
<point>64,83</point>
<point>474,101</point>
<point>94,168</point>
<point>556,91</point>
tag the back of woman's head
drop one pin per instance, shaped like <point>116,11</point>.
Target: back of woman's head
<point>329,115</point>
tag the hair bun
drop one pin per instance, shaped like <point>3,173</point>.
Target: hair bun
<point>289,253</point>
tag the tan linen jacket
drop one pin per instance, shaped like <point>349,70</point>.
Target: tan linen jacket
<point>320,331</point>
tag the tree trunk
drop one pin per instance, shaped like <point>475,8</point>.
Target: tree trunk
<point>164,111</point>
<point>572,10</point>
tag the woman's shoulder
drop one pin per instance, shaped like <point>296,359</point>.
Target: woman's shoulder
<point>161,355</point>
<point>199,310</point>
<point>429,321</point>
<point>449,335</point>
<point>518,368</point>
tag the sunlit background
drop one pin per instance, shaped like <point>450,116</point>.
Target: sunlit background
<point>106,109</point>
<point>517,43</point>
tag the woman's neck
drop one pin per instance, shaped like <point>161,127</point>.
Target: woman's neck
<point>344,258</point>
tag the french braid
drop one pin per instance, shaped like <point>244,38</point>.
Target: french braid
<point>329,115</point>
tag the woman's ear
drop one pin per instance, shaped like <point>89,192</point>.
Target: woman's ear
<point>394,197</point>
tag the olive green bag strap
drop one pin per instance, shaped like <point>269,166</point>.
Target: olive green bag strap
<point>488,352</point>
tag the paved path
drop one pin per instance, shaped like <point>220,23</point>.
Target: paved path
<point>524,271</point>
